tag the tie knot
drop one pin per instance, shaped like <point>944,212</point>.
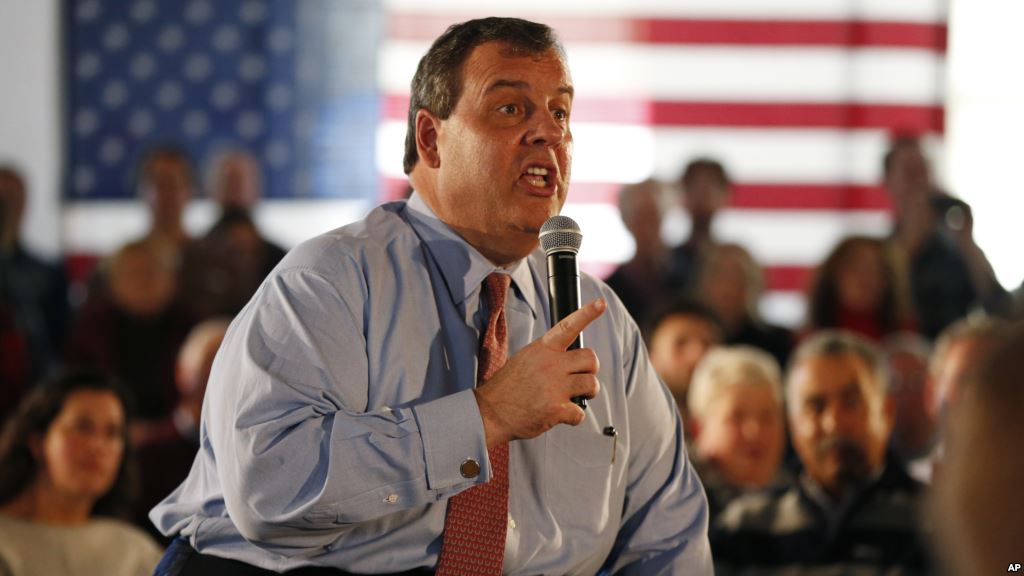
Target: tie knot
<point>496,289</point>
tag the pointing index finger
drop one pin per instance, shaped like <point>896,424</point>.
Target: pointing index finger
<point>565,332</point>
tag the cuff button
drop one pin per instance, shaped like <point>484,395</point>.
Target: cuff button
<point>470,468</point>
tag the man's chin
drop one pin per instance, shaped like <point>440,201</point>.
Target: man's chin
<point>845,476</point>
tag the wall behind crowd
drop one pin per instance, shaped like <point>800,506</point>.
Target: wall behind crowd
<point>29,113</point>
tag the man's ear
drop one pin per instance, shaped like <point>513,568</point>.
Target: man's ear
<point>426,138</point>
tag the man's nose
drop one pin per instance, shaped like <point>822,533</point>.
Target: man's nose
<point>829,420</point>
<point>751,428</point>
<point>549,131</point>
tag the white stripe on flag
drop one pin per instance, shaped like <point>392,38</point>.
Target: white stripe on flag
<point>757,73</point>
<point>630,153</point>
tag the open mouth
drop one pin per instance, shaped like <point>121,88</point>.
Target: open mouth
<point>537,177</point>
<point>541,179</point>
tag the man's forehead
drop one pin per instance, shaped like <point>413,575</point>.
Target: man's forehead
<point>497,65</point>
<point>832,371</point>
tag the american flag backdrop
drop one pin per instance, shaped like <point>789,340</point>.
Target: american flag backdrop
<point>797,98</point>
<point>294,82</point>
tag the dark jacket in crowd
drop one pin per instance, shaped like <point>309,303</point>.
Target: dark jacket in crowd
<point>875,531</point>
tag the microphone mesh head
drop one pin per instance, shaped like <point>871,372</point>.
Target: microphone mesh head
<point>560,234</point>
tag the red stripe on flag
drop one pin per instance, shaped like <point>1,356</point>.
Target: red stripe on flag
<point>686,31</point>
<point>838,197</point>
<point>908,118</point>
<point>892,117</point>
<point>809,197</point>
<point>797,33</point>
<point>788,278</point>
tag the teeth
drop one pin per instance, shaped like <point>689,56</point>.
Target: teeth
<point>537,182</point>
<point>537,171</point>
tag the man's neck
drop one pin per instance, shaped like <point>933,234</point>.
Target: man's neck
<point>839,496</point>
<point>504,251</point>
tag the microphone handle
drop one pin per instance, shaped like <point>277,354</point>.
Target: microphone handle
<point>564,296</point>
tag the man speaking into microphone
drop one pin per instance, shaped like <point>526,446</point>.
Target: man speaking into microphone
<point>395,399</point>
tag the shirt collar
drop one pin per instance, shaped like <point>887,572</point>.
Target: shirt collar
<point>462,266</point>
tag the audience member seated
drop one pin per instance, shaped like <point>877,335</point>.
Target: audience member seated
<point>853,510</point>
<point>977,500</point>
<point>641,283</point>
<point>961,349</point>
<point>681,333</point>
<point>166,181</point>
<point>223,269</point>
<point>166,458</point>
<point>706,189</point>
<point>906,359</point>
<point>933,232</point>
<point>33,302</point>
<point>736,407</point>
<point>129,329</point>
<point>858,288</point>
<point>730,283</point>
<point>65,482</point>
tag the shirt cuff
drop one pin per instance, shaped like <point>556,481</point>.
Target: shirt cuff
<point>453,433</point>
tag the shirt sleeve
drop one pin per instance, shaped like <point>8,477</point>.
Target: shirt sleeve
<point>665,516</point>
<point>300,457</point>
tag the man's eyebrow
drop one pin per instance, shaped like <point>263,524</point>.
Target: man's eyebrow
<point>518,84</point>
<point>523,85</point>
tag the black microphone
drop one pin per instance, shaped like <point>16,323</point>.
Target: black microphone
<point>560,237</point>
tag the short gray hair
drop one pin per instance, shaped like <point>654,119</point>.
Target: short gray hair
<point>728,366</point>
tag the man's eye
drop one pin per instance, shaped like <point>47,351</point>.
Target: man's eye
<point>561,115</point>
<point>509,109</point>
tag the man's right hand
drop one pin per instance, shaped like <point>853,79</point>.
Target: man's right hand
<point>533,392</point>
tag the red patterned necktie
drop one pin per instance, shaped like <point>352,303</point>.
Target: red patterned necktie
<point>474,529</point>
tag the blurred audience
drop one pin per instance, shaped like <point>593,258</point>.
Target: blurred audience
<point>962,348</point>
<point>730,283</point>
<point>640,283</point>
<point>223,269</point>
<point>705,190</point>
<point>130,329</point>
<point>960,351</point>
<point>906,360</point>
<point>166,457</point>
<point>33,301</point>
<point>853,509</point>
<point>735,403</point>
<point>66,480</point>
<point>977,504</point>
<point>933,234</point>
<point>859,288</point>
<point>166,181</point>
<point>681,333</point>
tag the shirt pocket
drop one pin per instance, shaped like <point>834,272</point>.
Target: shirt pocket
<point>586,445</point>
<point>584,488</point>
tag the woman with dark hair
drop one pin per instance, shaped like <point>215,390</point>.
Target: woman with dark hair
<point>859,288</point>
<point>62,457</point>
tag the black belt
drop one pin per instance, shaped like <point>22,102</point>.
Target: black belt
<point>181,559</point>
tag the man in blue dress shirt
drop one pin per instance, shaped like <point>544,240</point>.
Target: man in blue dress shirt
<point>344,411</point>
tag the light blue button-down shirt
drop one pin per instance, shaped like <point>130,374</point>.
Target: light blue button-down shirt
<point>341,406</point>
